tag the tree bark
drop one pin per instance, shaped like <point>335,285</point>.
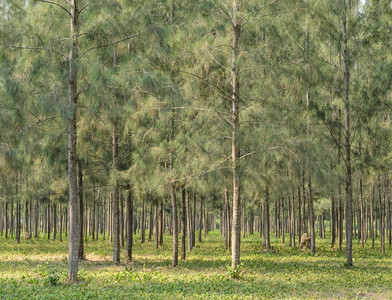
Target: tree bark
<point>129,209</point>
<point>236,233</point>
<point>183,217</point>
<point>116,223</point>
<point>349,193</point>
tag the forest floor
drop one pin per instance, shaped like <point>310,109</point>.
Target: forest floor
<point>27,270</point>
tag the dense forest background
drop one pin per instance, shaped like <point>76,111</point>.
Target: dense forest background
<point>185,116</point>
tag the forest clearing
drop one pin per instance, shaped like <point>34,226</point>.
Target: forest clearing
<point>287,273</point>
<point>195,149</point>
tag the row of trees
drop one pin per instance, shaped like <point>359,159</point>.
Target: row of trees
<point>237,107</point>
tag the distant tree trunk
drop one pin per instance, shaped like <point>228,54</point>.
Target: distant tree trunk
<point>293,220</point>
<point>156,226</point>
<point>333,221</point>
<point>299,226</point>
<point>282,219</point>
<point>227,221</point>
<point>6,220</point>
<point>371,223</point>
<point>116,223</point>
<point>381,216</point>
<point>122,226</point>
<point>266,222</point>
<point>142,222</point>
<point>189,221</point>
<point>304,201</point>
<point>311,218</point>
<point>174,224</point>
<point>54,221</point>
<point>200,218</point>
<point>194,221</point>
<point>48,221</point>
<point>183,217</point>
<point>81,206</point>
<point>160,222</point>
<point>26,219</point>
<point>18,221</point>
<point>129,209</point>
<point>61,223</point>
<point>151,222</point>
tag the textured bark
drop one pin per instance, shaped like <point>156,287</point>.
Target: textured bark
<point>26,228</point>
<point>160,222</point>
<point>54,221</point>
<point>266,230</point>
<point>227,220</point>
<point>174,224</point>
<point>116,213</point>
<point>235,244</point>
<point>349,192</point>
<point>81,210</point>
<point>200,219</point>
<point>311,218</point>
<point>142,222</point>
<point>74,219</point>
<point>129,212</point>
<point>183,223</point>
<point>299,220</point>
<point>189,220</point>
<point>150,222</point>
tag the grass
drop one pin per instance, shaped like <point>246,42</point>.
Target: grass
<point>286,273</point>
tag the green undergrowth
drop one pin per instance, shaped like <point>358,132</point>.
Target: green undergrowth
<point>36,269</point>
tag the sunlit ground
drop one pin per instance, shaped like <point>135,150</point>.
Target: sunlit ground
<point>26,271</point>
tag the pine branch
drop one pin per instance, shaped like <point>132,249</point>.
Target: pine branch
<point>56,4</point>
<point>35,48</point>
<point>256,10</point>
<point>111,44</point>
<point>84,7</point>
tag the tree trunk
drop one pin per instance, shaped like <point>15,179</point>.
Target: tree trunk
<point>183,217</point>
<point>142,222</point>
<point>81,209</point>
<point>200,218</point>
<point>74,219</point>
<point>151,222</point>
<point>116,194</point>
<point>129,209</point>
<point>174,224</point>
<point>311,218</point>
<point>235,245</point>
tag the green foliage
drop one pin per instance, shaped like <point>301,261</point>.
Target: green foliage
<point>50,273</point>
<point>235,272</point>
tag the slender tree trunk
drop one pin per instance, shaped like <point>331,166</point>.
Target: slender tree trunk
<point>122,226</point>
<point>129,209</point>
<point>81,206</point>
<point>174,224</point>
<point>299,216</point>
<point>189,222</point>
<point>311,218</point>
<point>74,219</point>
<point>116,194</point>
<point>142,222</point>
<point>54,221</point>
<point>151,222</point>
<point>236,227</point>
<point>227,220</point>
<point>156,226</point>
<point>161,222</point>
<point>61,223</point>
<point>183,217</point>
<point>200,218</point>
<point>266,223</point>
